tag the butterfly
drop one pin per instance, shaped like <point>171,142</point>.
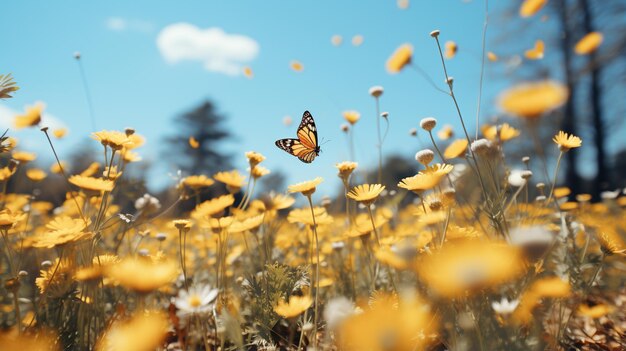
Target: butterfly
<point>305,148</point>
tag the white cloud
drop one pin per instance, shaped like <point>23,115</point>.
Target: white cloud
<point>119,24</point>
<point>217,50</point>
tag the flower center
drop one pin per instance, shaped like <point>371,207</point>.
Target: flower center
<point>194,301</point>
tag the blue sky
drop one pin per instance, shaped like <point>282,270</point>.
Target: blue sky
<point>132,84</point>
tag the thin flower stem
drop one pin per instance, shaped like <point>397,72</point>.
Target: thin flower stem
<point>351,141</point>
<point>181,251</point>
<point>482,66</point>
<point>421,72</point>
<point>317,271</point>
<point>458,110</point>
<point>556,173</point>
<point>80,211</point>
<point>369,210</point>
<point>380,143</point>
<point>83,77</point>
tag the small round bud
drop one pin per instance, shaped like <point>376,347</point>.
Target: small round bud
<point>384,114</point>
<point>481,146</point>
<point>435,205</point>
<point>526,159</point>
<point>425,156</point>
<point>143,252</point>
<point>450,81</point>
<point>428,123</point>
<point>435,33</point>
<point>392,193</point>
<point>540,186</point>
<point>44,129</point>
<point>345,128</point>
<point>413,132</point>
<point>338,245</point>
<point>129,131</point>
<point>22,274</point>
<point>46,264</point>
<point>376,91</point>
<point>77,55</point>
<point>161,236</point>
<point>526,174</point>
<point>540,198</point>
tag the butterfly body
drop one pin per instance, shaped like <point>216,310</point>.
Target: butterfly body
<point>306,146</point>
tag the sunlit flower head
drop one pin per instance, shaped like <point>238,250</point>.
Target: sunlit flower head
<point>366,193</point>
<point>456,149</point>
<point>182,224</point>
<point>142,275</point>
<point>351,116</point>
<point>233,180</point>
<point>503,132</point>
<point>295,307</point>
<point>122,335</point>
<point>346,168</point>
<point>59,133</point>
<point>92,184</point>
<point>31,117</point>
<point>114,139</point>
<point>212,207</point>
<point>259,171</point>
<point>303,216</point>
<point>254,158</point>
<point>420,182</point>
<point>251,223</point>
<point>532,100</point>
<point>197,181</point>
<point>566,141</point>
<point>609,244</point>
<point>193,142</point>
<point>36,174</point>
<point>278,201</point>
<point>62,230</point>
<point>400,58</point>
<point>306,188</point>
<point>537,52</point>
<point>492,57</point>
<point>531,7</point>
<point>445,133</point>
<point>596,311</point>
<point>469,266</point>
<point>23,156</point>
<point>9,219</point>
<point>451,49</point>
<point>589,43</point>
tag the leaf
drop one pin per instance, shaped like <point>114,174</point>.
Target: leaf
<point>7,86</point>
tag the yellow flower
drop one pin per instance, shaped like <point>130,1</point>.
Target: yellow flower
<point>502,132</point>
<point>456,149</point>
<point>214,206</point>
<point>469,266</point>
<point>233,180</point>
<point>182,224</point>
<point>532,100</point>
<point>259,171</point>
<point>246,224</point>
<point>566,141</point>
<point>445,133</point>
<point>450,49</point>
<point>114,139</point>
<point>351,116</point>
<point>419,182</point>
<point>306,188</point>
<point>59,133</point>
<point>62,230</point>
<point>248,73</point>
<point>254,158</point>
<point>346,168</point>
<point>31,117</point>
<point>197,181</point>
<point>295,307</point>
<point>278,202</point>
<point>122,335</point>
<point>90,170</point>
<point>23,156</point>
<point>589,43</point>
<point>492,57</point>
<point>366,193</point>
<point>596,311</point>
<point>193,142</point>
<point>303,216</point>
<point>36,174</point>
<point>553,287</point>
<point>536,53</point>
<point>8,219</point>
<point>562,192</point>
<point>92,184</point>
<point>142,275</point>
<point>10,340</point>
<point>609,244</point>
<point>6,173</point>
<point>400,58</point>
<point>135,140</point>
<point>438,169</point>
<point>391,324</point>
<point>296,66</point>
<point>531,7</point>
<point>357,40</point>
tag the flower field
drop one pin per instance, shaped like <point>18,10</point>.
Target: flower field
<point>483,246</point>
